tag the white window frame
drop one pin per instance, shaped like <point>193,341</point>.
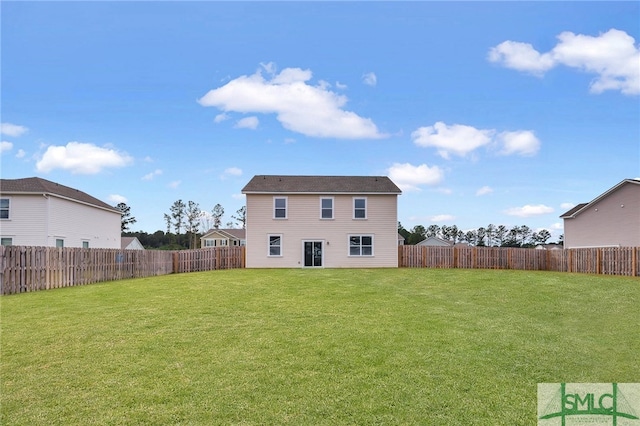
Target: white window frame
<point>286,208</point>
<point>209,242</point>
<point>60,242</point>
<point>349,246</point>
<point>85,244</point>
<point>8,208</point>
<point>332,208</point>
<point>6,241</point>
<point>359,208</point>
<point>269,246</point>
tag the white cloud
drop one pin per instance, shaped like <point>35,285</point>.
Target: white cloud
<point>409,177</point>
<point>12,129</point>
<point>557,226</point>
<point>370,79</point>
<point>567,206</point>
<point>521,57</point>
<point>221,117</point>
<point>341,86</point>
<point>238,196</point>
<point>117,199</point>
<point>455,139</point>
<point>153,174</point>
<point>529,210</point>
<point>81,158</point>
<point>231,171</point>
<point>522,142</point>
<point>442,218</point>
<point>462,140</point>
<point>247,123</point>
<point>5,146</point>
<point>174,184</point>
<point>21,153</point>
<point>612,56</point>
<point>300,107</point>
<point>484,191</point>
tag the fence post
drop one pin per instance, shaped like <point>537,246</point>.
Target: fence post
<point>176,262</point>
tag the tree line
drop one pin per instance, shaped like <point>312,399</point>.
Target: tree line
<point>185,224</point>
<point>489,236</point>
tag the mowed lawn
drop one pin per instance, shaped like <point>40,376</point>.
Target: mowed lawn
<point>313,347</point>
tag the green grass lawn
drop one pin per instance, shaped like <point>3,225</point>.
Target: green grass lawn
<point>309,347</point>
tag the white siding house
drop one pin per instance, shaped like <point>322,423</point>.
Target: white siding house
<point>38,212</point>
<point>321,221</point>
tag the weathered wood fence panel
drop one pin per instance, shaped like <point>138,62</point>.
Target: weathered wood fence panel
<point>606,260</point>
<point>208,259</point>
<point>26,269</point>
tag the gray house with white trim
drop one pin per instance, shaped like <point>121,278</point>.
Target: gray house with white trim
<point>612,219</point>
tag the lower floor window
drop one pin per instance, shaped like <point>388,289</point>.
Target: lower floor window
<point>361,245</point>
<point>275,245</point>
<point>7,241</point>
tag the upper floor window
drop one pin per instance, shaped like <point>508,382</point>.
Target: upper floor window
<point>359,208</point>
<point>326,208</point>
<point>4,208</point>
<point>280,207</point>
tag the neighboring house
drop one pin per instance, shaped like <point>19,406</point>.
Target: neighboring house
<point>549,246</point>
<point>38,212</point>
<point>400,239</point>
<point>435,242</point>
<point>223,238</point>
<point>131,243</point>
<point>612,219</point>
<point>321,221</point>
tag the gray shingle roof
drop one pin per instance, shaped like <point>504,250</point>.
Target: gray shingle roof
<point>321,184</point>
<point>35,185</point>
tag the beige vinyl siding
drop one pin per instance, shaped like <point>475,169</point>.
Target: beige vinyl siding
<point>303,223</point>
<point>606,222</point>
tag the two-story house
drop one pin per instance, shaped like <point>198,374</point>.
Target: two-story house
<point>321,221</point>
<point>612,219</point>
<point>38,212</point>
<point>223,238</point>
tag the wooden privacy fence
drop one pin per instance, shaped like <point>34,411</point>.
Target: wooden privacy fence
<point>208,259</point>
<point>24,269</point>
<point>604,260</point>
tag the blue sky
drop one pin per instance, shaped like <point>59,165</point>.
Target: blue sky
<point>506,112</point>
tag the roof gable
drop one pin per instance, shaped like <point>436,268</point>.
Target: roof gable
<point>584,206</point>
<point>278,184</point>
<point>35,185</point>
<point>230,233</point>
